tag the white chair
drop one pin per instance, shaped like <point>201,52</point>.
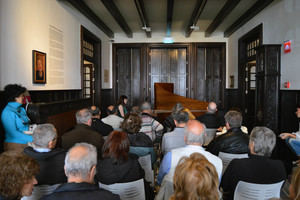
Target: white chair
<point>228,157</point>
<point>127,191</point>
<point>252,191</point>
<point>40,191</point>
<point>145,162</point>
<point>210,135</point>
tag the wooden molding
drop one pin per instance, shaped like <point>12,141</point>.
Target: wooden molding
<point>86,11</point>
<point>141,10</point>
<point>195,16</point>
<point>249,14</point>
<point>115,12</point>
<point>224,12</point>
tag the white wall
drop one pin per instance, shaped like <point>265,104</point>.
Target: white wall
<point>24,26</point>
<point>281,22</point>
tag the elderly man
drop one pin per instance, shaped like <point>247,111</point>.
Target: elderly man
<point>194,138</point>
<point>50,159</point>
<point>234,140</point>
<point>175,138</point>
<point>150,126</point>
<point>98,125</point>
<point>210,119</point>
<point>258,168</point>
<point>82,132</point>
<point>80,168</point>
<point>113,119</point>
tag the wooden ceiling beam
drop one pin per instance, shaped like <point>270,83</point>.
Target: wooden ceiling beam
<point>143,17</point>
<point>170,7</point>
<point>86,11</point>
<point>224,12</point>
<point>195,16</point>
<point>249,14</point>
<point>115,12</point>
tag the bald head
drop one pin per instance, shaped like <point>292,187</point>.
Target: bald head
<point>212,107</point>
<point>194,132</point>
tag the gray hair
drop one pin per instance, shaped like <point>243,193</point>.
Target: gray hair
<point>264,140</point>
<point>191,137</point>
<point>81,166</point>
<point>43,134</point>
<point>212,107</point>
<point>83,116</point>
<point>181,117</point>
<point>233,118</point>
<point>145,106</point>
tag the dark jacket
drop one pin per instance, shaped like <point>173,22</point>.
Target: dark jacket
<point>139,140</point>
<point>82,133</point>
<point>51,165</point>
<point>3,198</point>
<point>110,171</point>
<point>101,127</point>
<point>233,141</point>
<point>210,120</point>
<point>255,169</point>
<point>80,191</point>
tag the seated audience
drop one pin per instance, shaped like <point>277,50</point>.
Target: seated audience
<point>17,175</point>
<point>140,143</point>
<point>82,132</point>
<point>210,119</point>
<point>234,140</point>
<point>14,119</point>
<point>294,189</point>
<point>195,178</point>
<point>117,164</point>
<point>50,159</point>
<point>150,126</point>
<point>98,125</point>
<point>80,168</point>
<point>258,168</point>
<point>112,119</point>
<point>175,139</point>
<point>194,138</point>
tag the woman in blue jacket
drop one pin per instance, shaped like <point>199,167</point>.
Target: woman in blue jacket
<point>15,120</point>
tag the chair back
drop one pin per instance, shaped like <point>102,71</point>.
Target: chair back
<point>40,191</point>
<point>210,135</point>
<point>145,162</point>
<point>228,157</point>
<point>251,191</point>
<point>127,191</point>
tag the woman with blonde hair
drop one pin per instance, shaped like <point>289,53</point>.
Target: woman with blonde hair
<point>195,178</point>
<point>295,185</point>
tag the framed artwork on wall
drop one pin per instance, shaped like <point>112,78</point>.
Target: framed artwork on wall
<point>38,67</point>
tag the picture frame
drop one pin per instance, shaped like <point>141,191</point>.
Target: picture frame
<point>38,67</point>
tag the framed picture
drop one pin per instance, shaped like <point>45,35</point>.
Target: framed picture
<point>38,67</point>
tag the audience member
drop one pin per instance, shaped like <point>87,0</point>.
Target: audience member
<point>15,120</point>
<point>50,159</point>
<point>80,168</point>
<point>117,164</point>
<point>210,119</point>
<point>258,168</point>
<point>169,123</point>
<point>112,119</point>
<point>195,178</point>
<point>17,175</point>
<point>175,139</point>
<point>121,104</point>
<point>194,138</point>
<point>294,189</point>
<point>82,132</point>
<point>98,125</point>
<point>150,126</point>
<point>234,140</point>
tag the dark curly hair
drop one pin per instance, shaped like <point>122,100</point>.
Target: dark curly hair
<point>116,146</point>
<point>132,123</point>
<point>12,91</point>
<point>16,170</point>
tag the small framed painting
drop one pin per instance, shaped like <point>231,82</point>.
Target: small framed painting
<point>39,67</point>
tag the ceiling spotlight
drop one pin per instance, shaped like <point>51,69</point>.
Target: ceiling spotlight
<point>193,27</point>
<point>147,29</point>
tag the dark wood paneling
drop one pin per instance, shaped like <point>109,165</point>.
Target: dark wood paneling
<point>46,96</point>
<point>232,99</point>
<point>107,99</point>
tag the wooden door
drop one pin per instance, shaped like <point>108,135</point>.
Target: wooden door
<point>168,66</point>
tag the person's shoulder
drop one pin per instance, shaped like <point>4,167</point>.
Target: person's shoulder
<point>105,194</point>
